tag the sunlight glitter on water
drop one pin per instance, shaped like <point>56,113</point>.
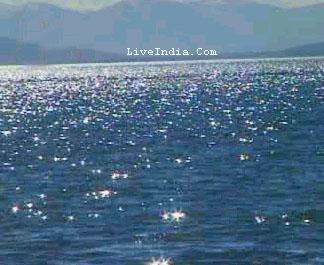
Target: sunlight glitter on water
<point>195,161</point>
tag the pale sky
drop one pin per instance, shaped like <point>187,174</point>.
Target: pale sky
<point>97,4</point>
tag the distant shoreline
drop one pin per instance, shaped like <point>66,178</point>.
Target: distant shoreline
<point>20,53</point>
<point>170,61</point>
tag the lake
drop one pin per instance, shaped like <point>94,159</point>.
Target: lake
<point>164,163</point>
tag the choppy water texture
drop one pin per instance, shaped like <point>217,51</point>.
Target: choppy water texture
<point>190,163</point>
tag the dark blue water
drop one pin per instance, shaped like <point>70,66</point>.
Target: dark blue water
<point>191,163</point>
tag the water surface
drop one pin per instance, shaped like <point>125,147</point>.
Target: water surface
<point>199,163</point>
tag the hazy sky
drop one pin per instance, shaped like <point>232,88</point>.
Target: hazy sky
<point>97,4</point>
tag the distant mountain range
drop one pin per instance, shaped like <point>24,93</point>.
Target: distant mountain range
<point>15,52</point>
<point>230,26</point>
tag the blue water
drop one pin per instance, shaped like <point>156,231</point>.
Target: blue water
<point>182,163</point>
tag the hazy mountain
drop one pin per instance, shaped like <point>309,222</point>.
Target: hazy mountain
<point>230,26</point>
<point>6,11</point>
<point>14,52</point>
<point>87,5</point>
<point>316,49</point>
